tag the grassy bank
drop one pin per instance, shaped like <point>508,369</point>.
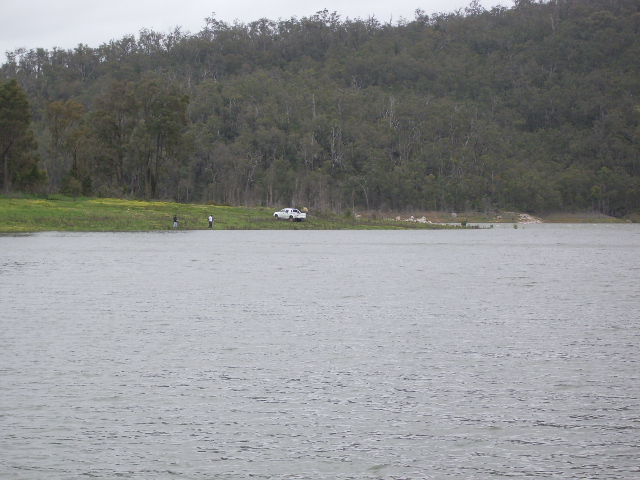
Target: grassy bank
<point>58,213</point>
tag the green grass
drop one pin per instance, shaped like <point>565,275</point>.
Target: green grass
<point>59,213</point>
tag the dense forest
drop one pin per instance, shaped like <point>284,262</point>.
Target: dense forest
<point>534,107</point>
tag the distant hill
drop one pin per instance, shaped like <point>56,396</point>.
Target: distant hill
<point>534,108</point>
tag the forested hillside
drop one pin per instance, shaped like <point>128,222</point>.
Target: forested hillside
<point>534,107</point>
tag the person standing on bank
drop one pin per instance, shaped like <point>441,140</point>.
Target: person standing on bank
<point>175,221</point>
<point>210,221</point>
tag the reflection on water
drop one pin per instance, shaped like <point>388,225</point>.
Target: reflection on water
<point>497,353</point>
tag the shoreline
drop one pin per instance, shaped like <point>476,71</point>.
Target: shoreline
<point>58,213</point>
<point>502,217</point>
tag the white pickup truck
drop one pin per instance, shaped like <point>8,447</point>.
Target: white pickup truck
<point>292,214</point>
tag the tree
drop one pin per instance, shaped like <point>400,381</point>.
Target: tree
<point>67,134</point>
<point>113,120</point>
<point>16,139</point>
<point>160,130</point>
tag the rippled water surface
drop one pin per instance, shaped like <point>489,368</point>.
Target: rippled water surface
<point>467,354</point>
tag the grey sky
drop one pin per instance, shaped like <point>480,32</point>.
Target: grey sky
<point>67,23</point>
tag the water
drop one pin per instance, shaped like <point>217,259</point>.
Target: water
<point>478,354</point>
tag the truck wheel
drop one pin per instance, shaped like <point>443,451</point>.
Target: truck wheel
<point>291,218</point>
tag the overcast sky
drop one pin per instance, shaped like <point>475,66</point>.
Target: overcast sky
<point>67,23</point>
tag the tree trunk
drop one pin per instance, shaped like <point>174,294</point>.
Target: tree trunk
<point>5,174</point>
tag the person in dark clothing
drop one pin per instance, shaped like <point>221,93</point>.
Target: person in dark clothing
<point>175,221</point>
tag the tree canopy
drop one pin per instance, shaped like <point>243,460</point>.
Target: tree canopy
<point>533,107</point>
<point>16,139</point>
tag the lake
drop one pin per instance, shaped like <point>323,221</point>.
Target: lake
<point>458,354</point>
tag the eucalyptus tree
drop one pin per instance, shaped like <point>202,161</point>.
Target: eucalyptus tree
<point>17,142</point>
<point>113,119</point>
<point>64,121</point>
<point>158,133</point>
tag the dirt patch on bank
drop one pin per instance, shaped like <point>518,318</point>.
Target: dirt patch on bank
<point>454,217</point>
